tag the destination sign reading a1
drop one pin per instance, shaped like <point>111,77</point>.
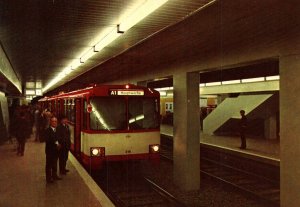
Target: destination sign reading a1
<point>126,92</point>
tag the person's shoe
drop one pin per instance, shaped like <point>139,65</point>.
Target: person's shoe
<point>242,147</point>
<point>57,178</point>
<point>50,180</point>
<point>66,170</point>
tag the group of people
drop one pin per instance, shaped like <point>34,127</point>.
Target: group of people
<point>20,127</point>
<point>57,138</point>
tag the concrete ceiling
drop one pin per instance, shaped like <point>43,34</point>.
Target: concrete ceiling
<point>41,38</point>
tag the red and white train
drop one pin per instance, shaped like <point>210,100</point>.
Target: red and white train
<point>110,122</point>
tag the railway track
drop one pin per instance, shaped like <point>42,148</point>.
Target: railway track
<point>259,180</point>
<point>125,185</point>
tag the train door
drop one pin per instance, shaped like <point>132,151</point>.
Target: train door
<point>77,127</point>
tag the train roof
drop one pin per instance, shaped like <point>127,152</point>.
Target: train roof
<point>106,90</point>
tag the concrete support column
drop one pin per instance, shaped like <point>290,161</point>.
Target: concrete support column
<point>270,127</point>
<point>4,118</point>
<point>186,131</point>
<point>289,131</point>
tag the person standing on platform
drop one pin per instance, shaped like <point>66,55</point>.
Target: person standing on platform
<point>65,141</point>
<point>52,151</point>
<point>37,115</point>
<point>243,126</point>
<point>22,132</point>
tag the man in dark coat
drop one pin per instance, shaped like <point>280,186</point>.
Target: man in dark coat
<point>65,142</point>
<point>22,132</point>
<point>243,126</point>
<point>52,151</point>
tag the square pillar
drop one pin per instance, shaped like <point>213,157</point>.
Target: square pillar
<point>289,131</point>
<point>271,127</point>
<point>186,131</point>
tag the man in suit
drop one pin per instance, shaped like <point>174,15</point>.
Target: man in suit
<point>52,150</point>
<point>65,142</point>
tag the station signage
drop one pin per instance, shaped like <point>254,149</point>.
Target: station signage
<point>126,92</point>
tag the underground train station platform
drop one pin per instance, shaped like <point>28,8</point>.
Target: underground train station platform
<point>257,148</point>
<point>23,182</point>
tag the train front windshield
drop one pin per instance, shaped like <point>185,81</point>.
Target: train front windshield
<point>116,113</point>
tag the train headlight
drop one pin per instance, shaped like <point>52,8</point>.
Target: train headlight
<point>97,151</point>
<point>154,148</point>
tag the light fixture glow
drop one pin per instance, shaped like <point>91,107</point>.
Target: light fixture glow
<point>29,97</point>
<point>213,84</point>
<point>60,76</point>
<point>30,84</point>
<point>75,64</point>
<point>275,77</point>
<point>251,80</point>
<point>88,54</point>
<point>111,36</point>
<point>163,93</point>
<point>164,89</point>
<point>155,148</point>
<point>95,151</point>
<point>231,82</point>
<point>140,13</point>
<point>38,84</point>
<point>30,92</point>
<point>67,70</point>
<point>38,92</point>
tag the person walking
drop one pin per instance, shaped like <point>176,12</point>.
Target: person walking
<point>22,132</point>
<point>243,127</point>
<point>65,142</point>
<point>52,150</point>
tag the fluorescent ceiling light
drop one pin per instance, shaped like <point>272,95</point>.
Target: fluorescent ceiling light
<point>60,76</point>
<point>213,84</point>
<point>30,92</point>
<point>251,80</point>
<point>75,64</point>
<point>28,97</point>
<point>87,55</point>
<point>169,94</point>
<point>275,77</point>
<point>67,70</point>
<point>111,36</point>
<point>30,84</point>
<point>163,93</point>
<point>231,82</point>
<point>164,89</point>
<point>38,92</point>
<point>142,10</point>
<point>140,13</point>
<point>38,84</point>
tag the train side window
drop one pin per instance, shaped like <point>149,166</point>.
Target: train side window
<point>69,109</point>
<point>72,110</point>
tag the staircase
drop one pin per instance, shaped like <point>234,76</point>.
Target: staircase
<point>256,107</point>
